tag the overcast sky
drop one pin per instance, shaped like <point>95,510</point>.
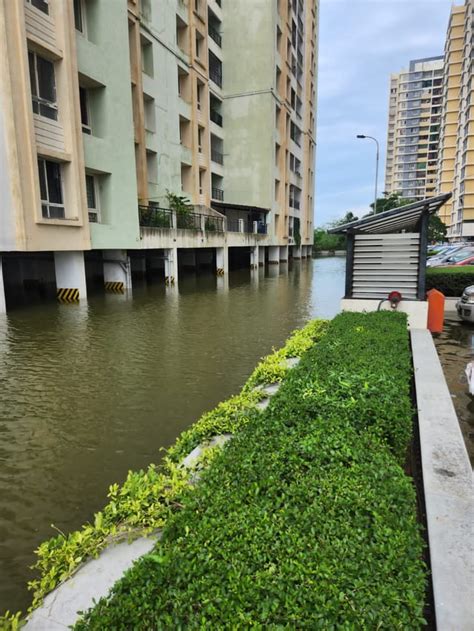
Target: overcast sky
<point>360,43</point>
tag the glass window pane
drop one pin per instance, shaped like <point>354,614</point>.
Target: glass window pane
<point>53,176</point>
<point>90,188</point>
<point>42,179</point>
<point>46,82</point>
<point>31,64</point>
<point>42,5</point>
<point>84,112</point>
<point>78,15</point>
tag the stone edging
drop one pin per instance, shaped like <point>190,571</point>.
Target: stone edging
<point>448,490</point>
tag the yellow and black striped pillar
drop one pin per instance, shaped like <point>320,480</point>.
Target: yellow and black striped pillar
<point>114,287</point>
<point>67,294</point>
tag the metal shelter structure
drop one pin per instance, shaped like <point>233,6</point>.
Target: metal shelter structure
<point>387,252</point>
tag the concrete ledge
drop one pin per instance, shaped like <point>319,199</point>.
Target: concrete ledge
<point>416,310</point>
<point>448,488</point>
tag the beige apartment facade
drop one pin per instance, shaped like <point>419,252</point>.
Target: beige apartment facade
<point>106,106</point>
<point>415,105</point>
<point>456,163</point>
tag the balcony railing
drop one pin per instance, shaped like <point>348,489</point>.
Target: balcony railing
<point>188,221</point>
<point>218,194</point>
<point>233,225</point>
<point>215,35</point>
<point>215,74</point>
<point>154,217</point>
<point>216,117</point>
<point>217,156</point>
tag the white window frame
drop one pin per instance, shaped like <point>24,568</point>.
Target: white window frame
<point>83,10</point>
<point>93,211</point>
<point>46,202</point>
<point>35,98</point>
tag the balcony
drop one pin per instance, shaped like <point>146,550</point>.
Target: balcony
<point>215,35</point>
<point>216,117</point>
<point>154,217</point>
<point>166,219</point>
<point>217,194</point>
<point>217,156</point>
<point>215,75</point>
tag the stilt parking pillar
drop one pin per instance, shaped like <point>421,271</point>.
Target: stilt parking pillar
<point>297,251</point>
<point>117,270</point>
<point>222,261</point>
<point>254,256</point>
<point>70,276</point>
<point>283,253</point>
<point>261,256</point>
<point>3,307</point>
<point>171,267</point>
<point>274,254</point>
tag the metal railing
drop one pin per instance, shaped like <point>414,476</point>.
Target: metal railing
<point>216,117</point>
<point>188,221</point>
<point>233,225</point>
<point>217,193</point>
<point>217,156</point>
<point>215,74</point>
<point>215,35</point>
<point>155,217</point>
<point>213,224</point>
<point>261,228</point>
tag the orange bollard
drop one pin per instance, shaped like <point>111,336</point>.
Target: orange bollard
<point>435,311</point>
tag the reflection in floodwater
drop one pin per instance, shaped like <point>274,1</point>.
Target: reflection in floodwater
<point>456,349</point>
<point>89,392</point>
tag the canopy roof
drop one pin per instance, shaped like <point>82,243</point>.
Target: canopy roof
<point>395,219</point>
<point>242,207</point>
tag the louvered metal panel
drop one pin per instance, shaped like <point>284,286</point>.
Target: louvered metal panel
<point>384,263</point>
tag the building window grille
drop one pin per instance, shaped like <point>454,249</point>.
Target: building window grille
<point>92,198</point>
<point>42,5</point>
<point>43,86</point>
<point>51,193</point>
<point>215,69</point>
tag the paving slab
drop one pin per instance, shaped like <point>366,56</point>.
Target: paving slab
<point>448,489</point>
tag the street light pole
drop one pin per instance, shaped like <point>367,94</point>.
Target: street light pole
<point>376,167</point>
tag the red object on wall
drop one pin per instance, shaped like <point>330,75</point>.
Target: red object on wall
<point>435,311</point>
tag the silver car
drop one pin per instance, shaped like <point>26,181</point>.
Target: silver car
<point>465,305</point>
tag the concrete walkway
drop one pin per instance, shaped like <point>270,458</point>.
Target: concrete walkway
<point>448,489</point>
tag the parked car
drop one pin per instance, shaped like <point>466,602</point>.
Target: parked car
<point>458,257</point>
<point>465,305</point>
<point>468,261</point>
<point>434,261</point>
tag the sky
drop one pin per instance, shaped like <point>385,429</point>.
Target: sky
<point>361,42</point>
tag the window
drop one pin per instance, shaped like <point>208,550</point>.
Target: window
<point>147,56</point>
<point>43,86</point>
<point>85,115</point>
<point>199,45</point>
<point>42,5</point>
<point>201,182</point>
<point>200,138</point>
<point>200,93</point>
<point>52,206</point>
<point>79,16</point>
<point>92,198</point>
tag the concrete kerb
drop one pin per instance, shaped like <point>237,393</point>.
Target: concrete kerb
<point>448,490</point>
<point>95,578</point>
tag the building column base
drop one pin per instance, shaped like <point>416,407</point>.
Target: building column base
<point>283,253</point>
<point>273,254</point>
<point>70,276</point>
<point>171,267</point>
<point>117,270</point>
<point>222,261</point>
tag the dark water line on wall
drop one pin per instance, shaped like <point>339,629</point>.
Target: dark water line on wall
<point>89,392</point>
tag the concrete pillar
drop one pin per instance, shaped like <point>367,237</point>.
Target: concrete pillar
<point>298,251</point>
<point>171,266</point>
<point>273,254</point>
<point>70,274</point>
<point>117,269</point>
<point>283,253</point>
<point>261,256</point>
<point>3,307</point>
<point>222,261</point>
<point>241,225</point>
<point>254,256</point>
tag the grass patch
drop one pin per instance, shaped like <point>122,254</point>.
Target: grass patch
<point>306,519</point>
<point>451,281</point>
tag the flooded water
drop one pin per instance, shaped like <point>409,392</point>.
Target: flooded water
<point>456,349</point>
<point>89,392</point>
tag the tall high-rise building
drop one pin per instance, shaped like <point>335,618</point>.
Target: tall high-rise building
<point>109,106</point>
<point>456,163</point>
<point>415,103</point>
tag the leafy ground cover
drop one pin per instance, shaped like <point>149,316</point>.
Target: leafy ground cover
<point>147,499</point>
<point>306,518</point>
<point>451,281</point>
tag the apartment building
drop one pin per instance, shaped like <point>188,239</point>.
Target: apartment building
<point>415,105</point>
<point>107,106</point>
<point>456,163</point>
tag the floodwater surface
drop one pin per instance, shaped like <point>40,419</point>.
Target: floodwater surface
<point>89,392</point>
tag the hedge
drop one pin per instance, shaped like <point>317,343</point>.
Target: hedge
<point>306,518</point>
<point>451,281</point>
<point>148,498</point>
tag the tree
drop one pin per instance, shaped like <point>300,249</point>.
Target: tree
<point>436,230</point>
<point>392,200</point>
<point>348,217</point>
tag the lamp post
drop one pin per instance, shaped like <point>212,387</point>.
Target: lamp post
<point>376,167</point>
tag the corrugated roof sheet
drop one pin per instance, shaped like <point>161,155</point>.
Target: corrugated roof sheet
<point>395,219</point>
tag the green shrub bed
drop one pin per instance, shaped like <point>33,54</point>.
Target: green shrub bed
<point>148,498</point>
<point>306,518</point>
<point>451,281</point>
